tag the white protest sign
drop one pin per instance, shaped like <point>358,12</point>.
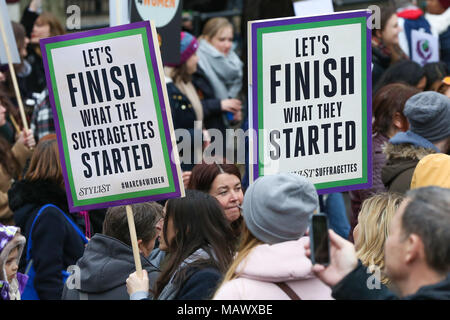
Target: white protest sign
<point>424,47</point>
<point>7,36</point>
<point>112,116</point>
<point>311,102</point>
<point>303,8</point>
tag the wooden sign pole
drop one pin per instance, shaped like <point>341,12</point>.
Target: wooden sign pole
<point>134,244</point>
<point>13,76</point>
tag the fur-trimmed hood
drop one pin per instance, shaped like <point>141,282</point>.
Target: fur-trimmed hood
<point>37,194</point>
<point>405,150</point>
<point>401,161</point>
<point>10,238</point>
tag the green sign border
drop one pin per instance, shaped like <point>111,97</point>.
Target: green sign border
<point>312,25</point>
<point>96,38</point>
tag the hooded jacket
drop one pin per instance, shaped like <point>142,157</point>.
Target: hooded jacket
<point>104,268</point>
<point>10,238</point>
<point>403,153</point>
<point>56,244</point>
<point>269,264</point>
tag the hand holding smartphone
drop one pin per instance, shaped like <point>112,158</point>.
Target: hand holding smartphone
<point>319,239</point>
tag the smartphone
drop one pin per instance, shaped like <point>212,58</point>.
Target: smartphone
<point>319,240</point>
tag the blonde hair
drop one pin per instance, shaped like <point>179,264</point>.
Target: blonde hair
<point>246,245</point>
<point>373,229</point>
<point>213,26</point>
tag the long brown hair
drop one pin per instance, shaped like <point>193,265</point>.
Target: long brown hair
<point>7,160</point>
<point>389,100</point>
<point>56,28</point>
<point>180,74</point>
<point>199,223</point>
<point>5,101</point>
<point>45,163</point>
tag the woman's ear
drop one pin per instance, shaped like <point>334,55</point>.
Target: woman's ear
<point>378,33</point>
<point>400,122</point>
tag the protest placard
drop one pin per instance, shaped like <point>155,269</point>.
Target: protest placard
<point>303,8</point>
<point>8,40</point>
<point>112,117</point>
<point>424,47</point>
<point>166,15</point>
<point>310,89</point>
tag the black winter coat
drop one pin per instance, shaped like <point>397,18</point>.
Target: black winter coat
<point>212,110</point>
<point>183,117</point>
<point>354,287</point>
<point>56,244</point>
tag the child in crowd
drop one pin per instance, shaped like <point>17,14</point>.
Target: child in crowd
<point>12,283</point>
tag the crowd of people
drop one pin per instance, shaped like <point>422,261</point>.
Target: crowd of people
<point>225,239</point>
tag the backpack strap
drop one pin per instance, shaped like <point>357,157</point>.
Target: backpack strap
<point>291,293</point>
<point>41,210</point>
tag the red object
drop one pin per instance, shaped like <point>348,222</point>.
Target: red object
<point>445,3</point>
<point>12,1</point>
<point>411,14</point>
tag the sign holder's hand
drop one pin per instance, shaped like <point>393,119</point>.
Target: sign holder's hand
<point>136,283</point>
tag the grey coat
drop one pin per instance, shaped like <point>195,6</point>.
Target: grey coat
<point>104,269</point>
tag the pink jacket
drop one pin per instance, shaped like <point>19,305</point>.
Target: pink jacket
<point>267,264</point>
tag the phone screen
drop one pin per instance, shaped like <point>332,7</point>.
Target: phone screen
<point>320,239</point>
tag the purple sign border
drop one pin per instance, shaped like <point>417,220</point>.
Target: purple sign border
<point>254,77</point>
<point>79,35</point>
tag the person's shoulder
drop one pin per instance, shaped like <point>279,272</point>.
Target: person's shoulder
<point>199,274</point>
<point>200,283</point>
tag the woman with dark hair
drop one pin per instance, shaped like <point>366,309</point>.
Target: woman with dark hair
<point>389,119</point>
<point>434,73</point>
<point>40,210</point>
<point>199,244</point>
<point>404,71</point>
<point>385,43</point>
<point>185,104</point>
<point>222,181</point>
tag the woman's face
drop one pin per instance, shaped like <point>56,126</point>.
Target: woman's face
<point>227,189</point>
<point>2,114</point>
<point>191,64</point>
<point>223,40</point>
<point>40,31</point>
<point>391,31</point>
<point>435,7</point>
<point>11,264</point>
<point>421,84</point>
<point>170,233</point>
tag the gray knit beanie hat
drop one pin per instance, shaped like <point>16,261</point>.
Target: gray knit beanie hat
<point>428,114</point>
<point>277,207</point>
